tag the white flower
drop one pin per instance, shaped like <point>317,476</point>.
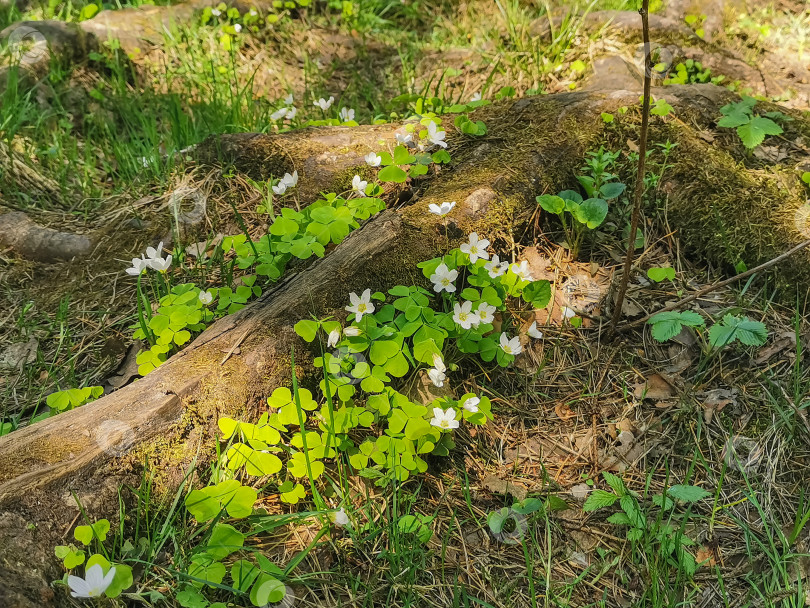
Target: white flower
<point>495,267</point>
<point>291,181</point>
<point>160,264</point>
<point>463,315</point>
<point>476,248</point>
<point>288,100</point>
<point>476,97</point>
<point>435,136</point>
<point>522,271</point>
<point>280,188</point>
<point>359,185</point>
<point>352,331</point>
<point>333,338</point>
<point>280,113</point>
<point>443,279</point>
<point>291,112</point>
<point>206,297</point>
<point>444,419</point>
<point>442,209</point>
<point>237,28</point>
<point>437,377</point>
<point>138,266</point>
<point>372,160</point>
<point>471,404</point>
<point>253,13</point>
<point>216,12</point>
<point>485,312</point>
<point>346,114</point>
<point>405,140</point>
<point>534,332</point>
<point>511,347</point>
<point>94,583</point>
<point>152,253</point>
<point>339,518</point>
<point>568,313</point>
<point>436,373</point>
<point>324,104</point>
<point>361,305</point>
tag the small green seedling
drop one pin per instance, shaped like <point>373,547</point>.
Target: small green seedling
<point>751,129</point>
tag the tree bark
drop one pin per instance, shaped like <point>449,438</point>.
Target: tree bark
<point>533,145</point>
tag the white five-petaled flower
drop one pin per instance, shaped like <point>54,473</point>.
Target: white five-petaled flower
<point>325,104</point>
<point>436,373</point>
<point>443,279</point>
<point>463,315</point>
<point>216,12</point>
<point>138,266</point>
<point>346,114</point>
<point>206,297</point>
<point>372,159</point>
<point>485,312</point>
<point>288,100</point>
<point>237,28</point>
<point>510,347</point>
<point>522,271</point>
<point>155,252</point>
<point>444,419</point>
<point>534,332</point>
<point>568,313</point>
<point>442,209</point>
<point>405,140</point>
<point>160,264</point>
<point>339,518</point>
<point>495,267</point>
<point>291,180</point>
<point>471,404</point>
<point>435,136</point>
<point>352,331</point>
<point>333,338</point>
<point>359,185</point>
<point>360,305</point>
<point>476,97</point>
<point>94,583</point>
<point>476,248</point>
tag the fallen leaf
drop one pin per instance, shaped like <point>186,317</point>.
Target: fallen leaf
<point>655,387</point>
<point>564,412</point>
<point>715,400</point>
<point>781,342</point>
<point>705,557</point>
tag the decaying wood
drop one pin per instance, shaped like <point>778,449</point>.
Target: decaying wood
<point>30,240</point>
<point>533,146</point>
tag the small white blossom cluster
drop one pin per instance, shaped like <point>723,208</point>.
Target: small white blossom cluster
<point>286,182</point>
<point>287,111</point>
<point>324,104</point>
<point>153,259</point>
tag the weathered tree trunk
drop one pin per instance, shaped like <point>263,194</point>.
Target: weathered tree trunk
<point>533,146</point>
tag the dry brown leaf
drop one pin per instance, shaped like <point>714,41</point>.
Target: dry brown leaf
<point>564,411</point>
<point>781,342</point>
<point>715,400</point>
<point>705,557</point>
<point>655,387</point>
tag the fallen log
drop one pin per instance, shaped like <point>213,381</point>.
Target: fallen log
<point>533,145</point>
